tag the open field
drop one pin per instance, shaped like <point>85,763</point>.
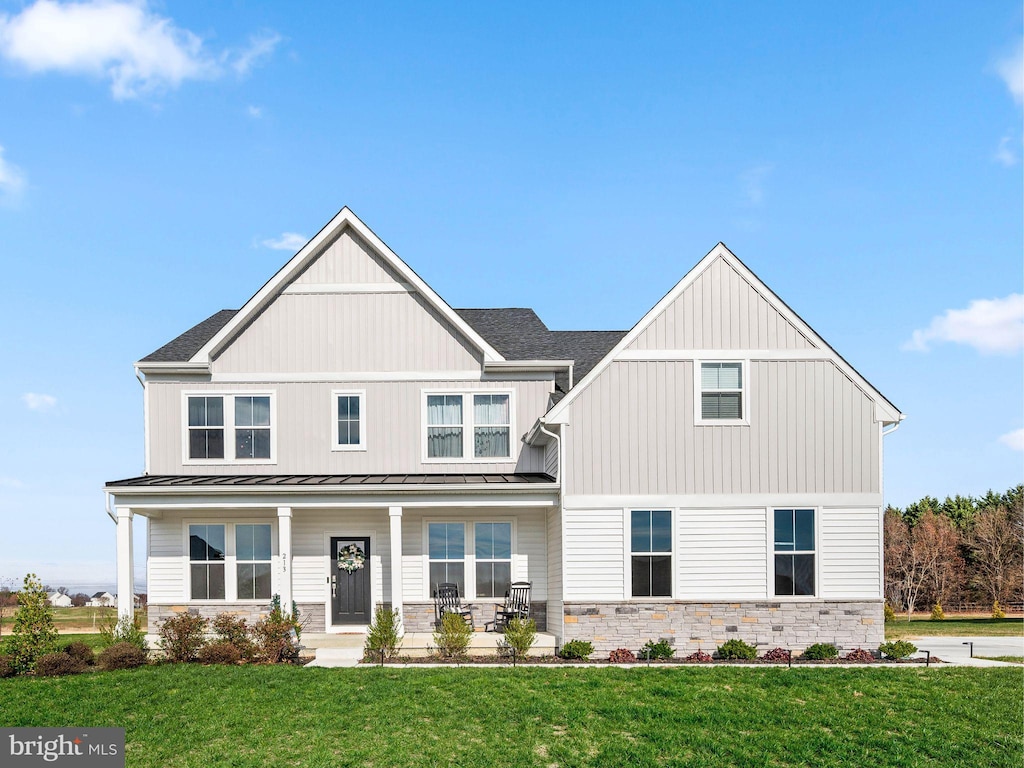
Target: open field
<point>954,627</point>
<point>75,620</point>
<point>189,715</point>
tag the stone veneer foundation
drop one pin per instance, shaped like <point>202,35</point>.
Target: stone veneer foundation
<point>689,626</point>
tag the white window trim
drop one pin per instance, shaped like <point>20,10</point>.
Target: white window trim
<point>229,427</point>
<point>770,528</point>
<point>744,390</point>
<point>627,550</point>
<point>335,394</point>
<point>468,427</point>
<point>230,561</point>
<point>470,557</point>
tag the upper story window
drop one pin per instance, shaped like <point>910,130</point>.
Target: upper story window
<point>722,393</point>
<point>349,425</point>
<point>794,552</point>
<point>223,427</point>
<point>651,552</point>
<point>471,426</point>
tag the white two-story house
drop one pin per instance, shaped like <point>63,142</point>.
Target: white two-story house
<point>347,440</point>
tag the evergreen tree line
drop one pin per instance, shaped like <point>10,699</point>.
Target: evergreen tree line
<point>961,550</point>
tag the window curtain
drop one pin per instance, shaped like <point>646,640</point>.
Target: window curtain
<point>444,426</point>
<point>490,433</point>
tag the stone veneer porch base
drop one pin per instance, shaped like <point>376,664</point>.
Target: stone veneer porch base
<point>691,625</point>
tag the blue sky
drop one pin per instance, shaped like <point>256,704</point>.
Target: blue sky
<point>158,161</point>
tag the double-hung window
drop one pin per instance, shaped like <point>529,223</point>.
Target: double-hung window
<point>721,388</point>
<point>794,552</point>
<point>229,428</point>
<point>447,555</point>
<point>493,547</point>
<point>475,556</point>
<point>349,426</point>
<point>651,552</point>
<point>469,426</point>
<point>253,561</point>
<point>206,561</point>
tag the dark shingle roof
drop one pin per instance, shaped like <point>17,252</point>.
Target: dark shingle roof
<point>178,481</point>
<point>518,334</point>
<point>191,341</point>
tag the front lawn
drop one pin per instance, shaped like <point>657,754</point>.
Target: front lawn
<point>189,715</point>
<point>925,627</point>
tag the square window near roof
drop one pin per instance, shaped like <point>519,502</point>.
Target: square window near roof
<point>721,391</point>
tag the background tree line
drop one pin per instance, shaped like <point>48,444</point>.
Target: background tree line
<point>962,549</point>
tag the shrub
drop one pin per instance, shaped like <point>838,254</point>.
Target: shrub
<point>123,630</point>
<point>898,649</point>
<point>937,613</point>
<point>122,656</point>
<point>182,636</point>
<point>520,635</point>
<point>821,652</point>
<point>997,612</point>
<point>699,657</point>
<point>384,634</point>
<point>577,649</point>
<point>657,650</point>
<point>621,656</point>
<point>778,655</point>
<point>235,631</point>
<point>58,665</point>
<point>737,649</point>
<point>81,651</point>
<point>890,614</point>
<point>219,653</point>
<point>7,667</point>
<point>452,637</point>
<point>33,634</point>
<point>860,656</point>
<point>273,635</point>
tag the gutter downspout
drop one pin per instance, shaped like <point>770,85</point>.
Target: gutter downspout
<point>558,442</point>
<point>894,426</point>
<point>110,512</point>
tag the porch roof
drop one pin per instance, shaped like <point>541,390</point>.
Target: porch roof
<point>330,481</point>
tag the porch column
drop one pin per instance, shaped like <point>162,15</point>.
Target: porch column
<point>125,564</point>
<point>395,515</point>
<point>284,535</point>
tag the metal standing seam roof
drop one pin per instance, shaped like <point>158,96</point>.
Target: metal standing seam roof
<point>330,481</point>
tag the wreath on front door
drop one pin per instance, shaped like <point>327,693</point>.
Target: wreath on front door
<point>351,558</point>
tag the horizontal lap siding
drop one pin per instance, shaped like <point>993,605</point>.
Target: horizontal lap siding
<point>721,554</point>
<point>632,431</point>
<point>304,428</point>
<point>850,564</point>
<point>592,561</point>
<point>309,563</point>
<point>720,310</point>
<point>166,578</point>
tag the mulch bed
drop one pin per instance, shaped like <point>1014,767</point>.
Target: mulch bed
<point>534,660</point>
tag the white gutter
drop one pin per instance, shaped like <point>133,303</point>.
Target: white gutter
<point>110,512</point>
<point>558,442</point>
<point>528,365</point>
<point>894,426</point>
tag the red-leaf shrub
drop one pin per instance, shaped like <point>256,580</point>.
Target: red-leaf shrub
<point>81,651</point>
<point>779,655</point>
<point>58,665</point>
<point>219,653</point>
<point>699,657</point>
<point>123,655</point>
<point>860,656</point>
<point>621,656</point>
<point>182,636</point>
<point>7,667</point>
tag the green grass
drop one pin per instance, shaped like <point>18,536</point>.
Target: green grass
<point>925,627</point>
<point>188,715</point>
<point>1011,659</point>
<point>94,641</point>
<point>73,619</point>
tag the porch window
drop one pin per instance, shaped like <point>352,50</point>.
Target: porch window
<point>252,427</point>
<point>794,552</point>
<point>253,561</point>
<point>493,545</point>
<point>447,554</point>
<point>651,537</point>
<point>206,427</point>
<point>491,426</point>
<point>206,561</point>
<point>444,426</point>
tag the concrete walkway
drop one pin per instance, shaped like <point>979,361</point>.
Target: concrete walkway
<point>954,650</point>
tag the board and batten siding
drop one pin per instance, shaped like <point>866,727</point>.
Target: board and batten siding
<point>555,580</point>
<point>632,431</point>
<point>721,310</point>
<point>347,259</point>
<point>592,554</point>
<point>304,428</point>
<point>850,540</point>
<point>721,554</point>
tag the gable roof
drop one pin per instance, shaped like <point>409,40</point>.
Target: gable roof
<point>345,218</point>
<point>890,413</point>
<point>182,348</point>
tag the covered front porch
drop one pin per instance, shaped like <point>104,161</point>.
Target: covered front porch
<point>335,553</point>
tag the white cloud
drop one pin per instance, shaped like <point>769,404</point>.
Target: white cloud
<point>254,112</point>
<point>12,180</point>
<point>37,402</point>
<point>11,482</point>
<point>1013,440</point>
<point>989,325</point>
<point>120,40</point>
<point>1011,69</point>
<point>752,182</point>
<point>260,47</point>
<point>288,241</point>
<point>1004,155</point>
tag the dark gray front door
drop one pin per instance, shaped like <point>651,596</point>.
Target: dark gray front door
<point>350,587</point>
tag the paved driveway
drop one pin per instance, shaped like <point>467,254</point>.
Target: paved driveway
<point>953,648</point>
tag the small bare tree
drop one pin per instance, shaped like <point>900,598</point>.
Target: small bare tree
<point>997,542</point>
<point>938,544</point>
<point>904,566</point>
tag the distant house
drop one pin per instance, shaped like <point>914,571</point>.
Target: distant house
<point>102,600</point>
<point>58,600</point>
<point>348,440</point>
